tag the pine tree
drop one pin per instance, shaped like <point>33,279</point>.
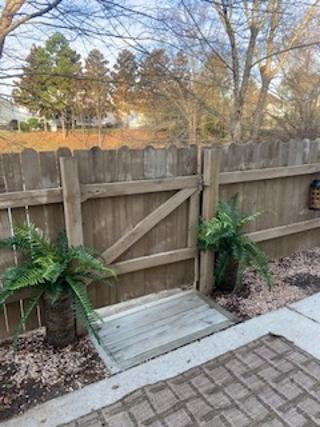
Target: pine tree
<point>65,67</point>
<point>97,87</point>
<point>32,88</point>
<point>47,85</point>
<point>124,78</point>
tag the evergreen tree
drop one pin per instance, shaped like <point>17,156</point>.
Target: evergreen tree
<point>96,87</point>
<point>124,78</point>
<point>65,67</point>
<point>32,88</point>
<point>47,86</point>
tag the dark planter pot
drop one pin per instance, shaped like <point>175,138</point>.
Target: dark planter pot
<point>228,282</point>
<point>59,321</point>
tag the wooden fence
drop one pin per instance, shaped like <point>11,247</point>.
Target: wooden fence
<point>275,178</point>
<point>140,208</point>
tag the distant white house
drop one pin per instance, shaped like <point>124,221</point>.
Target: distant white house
<point>11,114</point>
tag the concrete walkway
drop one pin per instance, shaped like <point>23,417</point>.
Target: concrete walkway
<point>269,382</point>
<point>290,379</point>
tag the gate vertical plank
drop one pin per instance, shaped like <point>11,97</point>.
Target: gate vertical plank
<point>124,221</point>
<point>99,232</point>
<point>155,278</point>
<point>172,219</point>
<point>211,170</point>
<point>86,176</point>
<point>110,171</point>
<point>137,212</point>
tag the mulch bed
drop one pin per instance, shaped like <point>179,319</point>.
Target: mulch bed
<point>295,277</point>
<point>38,372</point>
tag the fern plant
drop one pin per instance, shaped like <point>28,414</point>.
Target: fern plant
<point>58,274</point>
<point>235,251</point>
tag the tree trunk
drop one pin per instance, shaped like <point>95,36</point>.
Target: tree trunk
<point>192,124</point>
<point>73,121</point>
<point>228,282</point>
<point>63,124</point>
<point>59,321</point>
<point>258,115</point>
<point>45,124</point>
<point>236,123</point>
<point>99,129</point>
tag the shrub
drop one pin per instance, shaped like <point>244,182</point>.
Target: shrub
<point>24,127</point>
<point>235,251</point>
<point>59,274</point>
<point>34,123</point>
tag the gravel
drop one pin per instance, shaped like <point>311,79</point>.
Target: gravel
<point>294,278</point>
<point>37,372</point>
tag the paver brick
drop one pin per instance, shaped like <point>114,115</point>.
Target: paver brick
<point>179,418</point>
<point>199,409</point>
<point>267,383</point>
<point>92,420</point>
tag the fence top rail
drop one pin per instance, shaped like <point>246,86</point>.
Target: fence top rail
<point>268,173</point>
<point>123,188</point>
<point>17,199</point>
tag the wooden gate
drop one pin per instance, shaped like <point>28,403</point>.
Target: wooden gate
<point>140,209</point>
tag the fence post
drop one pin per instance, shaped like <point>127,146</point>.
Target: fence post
<point>72,208</point>
<point>210,170</point>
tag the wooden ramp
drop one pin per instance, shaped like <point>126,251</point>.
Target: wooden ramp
<point>135,335</point>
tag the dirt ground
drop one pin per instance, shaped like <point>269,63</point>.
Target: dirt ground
<point>37,372</point>
<point>294,278</point>
<point>50,141</point>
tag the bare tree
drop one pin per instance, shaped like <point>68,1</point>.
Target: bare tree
<point>252,38</point>
<point>299,93</point>
<point>264,19</point>
<point>271,64</point>
<point>16,13</point>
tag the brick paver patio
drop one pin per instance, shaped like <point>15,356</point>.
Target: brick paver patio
<point>269,382</point>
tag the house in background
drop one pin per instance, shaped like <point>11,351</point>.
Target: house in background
<point>12,115</point>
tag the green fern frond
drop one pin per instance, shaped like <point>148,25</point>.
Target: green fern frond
<point>225,234</point>
<point>5,293</point>
<point>23,276</point>
<point>33,302</point>
<point>84,309</point>
<point>54,268</point>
